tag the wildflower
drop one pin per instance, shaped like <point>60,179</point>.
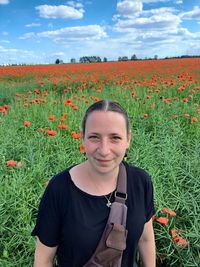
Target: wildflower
<point>62,119</point>
<point>186,115</point>
<point>27,123</point>
<point>45,93</point>
<point>170,212</point>
<point>76,135</point>
<point>82,149</point>
<point>11,163</point>
<point>41,130</point>
<point>67,102</point>
<point>63,126</point>
<point>51,132</point>
<point>6,107</point>
<point>185,100</point>
<point>178,240</point>
<point>145,115</point>
<point>51,118</point>
<point>194,119</point>
<point>163,220</point>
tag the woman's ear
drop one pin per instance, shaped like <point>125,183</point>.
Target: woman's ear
<point>129,139</point>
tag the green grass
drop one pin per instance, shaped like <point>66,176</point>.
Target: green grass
<point>168,148</point>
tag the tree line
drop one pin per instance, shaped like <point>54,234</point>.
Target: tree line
<point>96,59</point>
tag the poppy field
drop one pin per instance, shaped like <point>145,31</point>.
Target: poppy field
<point>41,108</point>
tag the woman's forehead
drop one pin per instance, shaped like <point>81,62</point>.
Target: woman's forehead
<point>106,119</point>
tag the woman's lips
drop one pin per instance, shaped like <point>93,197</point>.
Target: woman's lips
<point>103,160</point>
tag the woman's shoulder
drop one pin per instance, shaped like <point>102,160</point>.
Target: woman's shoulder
<point>137,173</point>
<point>60,181</point>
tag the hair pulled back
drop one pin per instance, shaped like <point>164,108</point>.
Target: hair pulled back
<point>106,105</point>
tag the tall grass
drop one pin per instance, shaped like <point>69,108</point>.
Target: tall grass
<point>167,146</point>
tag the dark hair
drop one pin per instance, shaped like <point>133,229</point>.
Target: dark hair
<point>106,105</point>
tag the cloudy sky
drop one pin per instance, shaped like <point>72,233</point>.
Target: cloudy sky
<point>40,31</point>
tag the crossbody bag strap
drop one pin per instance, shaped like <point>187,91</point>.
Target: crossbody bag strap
<point>121,192</point>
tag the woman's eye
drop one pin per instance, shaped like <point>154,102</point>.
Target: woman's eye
<point>116,138</point>
<point>93,137</point>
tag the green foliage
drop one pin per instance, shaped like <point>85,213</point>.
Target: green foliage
<point>167,147</point>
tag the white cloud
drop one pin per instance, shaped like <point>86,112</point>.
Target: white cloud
<point>161,10</point>
<point>193,14</point>
<point>28,35</point>
<point>4,2</point>
<point>33,25</point>
<point>129,7</point>
<point>75,4</point>
<point>155,22</point>
<point>55,12</point>
<point>5,41</point>
<point>79,33</point>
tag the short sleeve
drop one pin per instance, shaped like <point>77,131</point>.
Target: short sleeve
<point>48,222</point>
<point>150,209</point>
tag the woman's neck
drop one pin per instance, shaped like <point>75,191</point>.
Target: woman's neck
<point>105,181</point>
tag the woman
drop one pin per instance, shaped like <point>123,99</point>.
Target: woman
<point>75,206</point>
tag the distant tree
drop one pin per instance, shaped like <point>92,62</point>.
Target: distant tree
<point>124,58</point>
<point>89,59</point>
<point>57,61</point>
<point>156,57</point>
<point>105,59</point>
<point>134,57</point>
<point>73,60</point>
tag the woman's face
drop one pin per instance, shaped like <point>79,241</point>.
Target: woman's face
<point>105,140</point>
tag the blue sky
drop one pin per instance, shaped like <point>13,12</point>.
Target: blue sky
<point>40,31</point>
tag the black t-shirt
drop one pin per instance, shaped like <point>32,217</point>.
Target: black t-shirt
<point>74,220</point>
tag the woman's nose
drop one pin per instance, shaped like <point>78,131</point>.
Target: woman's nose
<point>104,148</point>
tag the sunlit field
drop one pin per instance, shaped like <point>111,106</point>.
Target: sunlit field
<point>40,116</point>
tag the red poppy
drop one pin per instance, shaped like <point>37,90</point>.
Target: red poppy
<point>51,118</point>
<point>63,126</point>
<point>145,115</point>
<point>180,241</point>
<point>194,119</point>
<point>51,132</point>
<point>186,115</point>
<point>27,123</point>
<point>82,149</point>
<point>163,220</point>
<point>67,102</point>
<point>76,135</point>
<point>11,163</point>
<point>170,212</point>
<point>185,100</point>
